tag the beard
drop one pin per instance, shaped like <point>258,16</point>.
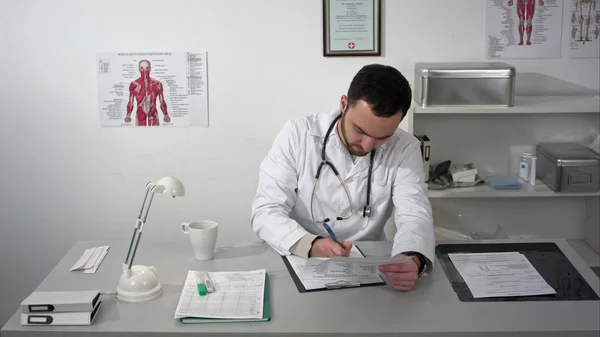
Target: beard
<point>347,143</point>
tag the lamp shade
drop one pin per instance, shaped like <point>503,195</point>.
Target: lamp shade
<point>170,186</point>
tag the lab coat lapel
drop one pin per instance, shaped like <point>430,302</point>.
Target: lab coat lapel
<point>362,163</point>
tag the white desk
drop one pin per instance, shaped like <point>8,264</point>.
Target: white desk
<point>431,309</point>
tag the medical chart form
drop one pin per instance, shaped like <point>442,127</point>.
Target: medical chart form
<point>317,273</point>
<point>500,274</point>
<point>237,295</point>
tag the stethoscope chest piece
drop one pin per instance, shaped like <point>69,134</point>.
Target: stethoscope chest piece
<point>367,211</point>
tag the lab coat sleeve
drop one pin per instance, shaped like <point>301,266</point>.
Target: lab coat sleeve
<point>413,214</point>
<point>276,193</point>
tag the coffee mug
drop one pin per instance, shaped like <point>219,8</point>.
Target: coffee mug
<point>203,237</point>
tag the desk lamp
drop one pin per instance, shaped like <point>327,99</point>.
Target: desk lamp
<point>140,283</point>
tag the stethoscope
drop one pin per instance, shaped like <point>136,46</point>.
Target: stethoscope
<point>366,210</point>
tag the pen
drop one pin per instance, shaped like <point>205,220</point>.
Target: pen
<point>200,285</point>
<point>208,283</point>
<point>331,234</point>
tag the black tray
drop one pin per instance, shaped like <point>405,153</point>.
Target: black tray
<point>547,259</point>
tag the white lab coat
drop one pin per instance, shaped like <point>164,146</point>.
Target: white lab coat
<point>281,209</point>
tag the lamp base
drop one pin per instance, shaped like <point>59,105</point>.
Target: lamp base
<point>138,284</point>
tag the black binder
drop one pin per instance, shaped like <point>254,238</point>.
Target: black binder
<point>332,286</point>
<point>547,258</point>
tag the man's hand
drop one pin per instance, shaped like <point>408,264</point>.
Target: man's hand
<point>510,3</point>
<point>323,247</point>
<point>167,119</point>
<point>127,119</point>
<point>402,276</point>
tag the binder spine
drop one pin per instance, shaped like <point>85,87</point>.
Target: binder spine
<point>39,319</point>
<point>40,308</point>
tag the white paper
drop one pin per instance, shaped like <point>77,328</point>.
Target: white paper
<point>91,259</point>
<point>370,261</point>
<point>583,28</point>
<point>317,273</point>
<point>156,88</point>
<point>500,274</point>
<point>83,259</point>
<point>97,263</point>
<point>237,295</point>
<point>539,22</point>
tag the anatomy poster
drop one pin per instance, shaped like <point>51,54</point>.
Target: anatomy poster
<point>141,89</point>
<point>583,27</point>
<point>523,28</point>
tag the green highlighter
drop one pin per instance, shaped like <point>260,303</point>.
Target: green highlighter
<point>200,285</point>
<point>201,289</point>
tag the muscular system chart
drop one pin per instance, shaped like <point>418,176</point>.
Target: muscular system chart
<point>523,28</point>
<point>144,89</point>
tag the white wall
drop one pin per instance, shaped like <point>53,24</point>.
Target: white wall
<point>67,179</point>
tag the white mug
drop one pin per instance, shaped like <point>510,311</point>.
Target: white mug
<point>203,236</point>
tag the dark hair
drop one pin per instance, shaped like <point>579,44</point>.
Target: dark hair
<point>383,87</point>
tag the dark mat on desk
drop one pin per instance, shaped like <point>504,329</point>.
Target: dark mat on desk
<point>546,257</point>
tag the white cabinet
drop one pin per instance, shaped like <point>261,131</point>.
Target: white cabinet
<point>493,138</point>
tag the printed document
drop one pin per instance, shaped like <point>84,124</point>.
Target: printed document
<point>369,261</point>
<point>317,273</point>
<point>237,295</point>
<point>500,274</point>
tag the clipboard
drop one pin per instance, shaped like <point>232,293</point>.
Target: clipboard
<point>546,257</point>
<point>340,284</point>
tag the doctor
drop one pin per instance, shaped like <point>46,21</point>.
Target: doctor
<point>333,178</point>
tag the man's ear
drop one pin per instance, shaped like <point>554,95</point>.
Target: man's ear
<point>344,103</point>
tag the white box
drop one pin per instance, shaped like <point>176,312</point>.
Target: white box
<point>60,301</point>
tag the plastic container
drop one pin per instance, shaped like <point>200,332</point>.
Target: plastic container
<point>525,166</point>
<point>532,170</point>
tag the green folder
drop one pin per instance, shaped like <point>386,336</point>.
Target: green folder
<point>266,312</point>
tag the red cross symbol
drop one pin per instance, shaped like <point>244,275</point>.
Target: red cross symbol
<point>351,45</point>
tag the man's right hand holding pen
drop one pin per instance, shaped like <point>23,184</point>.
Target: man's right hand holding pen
<point>325,247</point>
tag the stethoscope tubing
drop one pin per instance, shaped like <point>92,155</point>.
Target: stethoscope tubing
<point>325,162</point>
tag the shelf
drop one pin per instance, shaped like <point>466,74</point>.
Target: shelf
<point>484,191</point>
<point>524,105</point>
<point>587,253</point>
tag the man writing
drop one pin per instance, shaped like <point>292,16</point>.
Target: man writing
<point>346,172</point>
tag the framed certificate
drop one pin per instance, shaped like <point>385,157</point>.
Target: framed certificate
<point>351,28</point>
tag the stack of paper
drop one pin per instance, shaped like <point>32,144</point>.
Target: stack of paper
<point>91,259</point>
<point>238,297</point>
<point>500,274</point>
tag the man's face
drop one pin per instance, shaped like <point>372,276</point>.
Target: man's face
<point>145,69</point>
<point>362,131</point>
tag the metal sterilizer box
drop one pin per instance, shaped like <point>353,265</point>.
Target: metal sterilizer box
<point>464,84</point>
<point>568,167</point>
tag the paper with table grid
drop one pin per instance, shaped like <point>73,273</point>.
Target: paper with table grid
<point>237,295</point>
